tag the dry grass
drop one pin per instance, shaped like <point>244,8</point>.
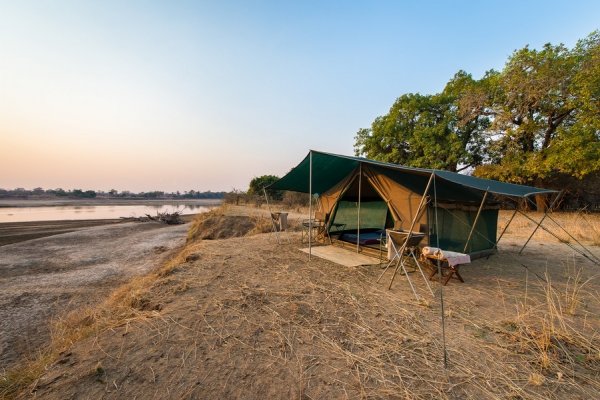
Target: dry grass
<point>549,330</point>
<point>584,227</point>
<point>128,303</point>
<point>309,330</point>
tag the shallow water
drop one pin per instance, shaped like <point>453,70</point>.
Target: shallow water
<point>73,212</point>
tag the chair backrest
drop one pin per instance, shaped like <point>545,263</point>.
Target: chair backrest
<point>398,238</point>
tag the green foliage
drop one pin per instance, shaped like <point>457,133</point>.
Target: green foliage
<point>88,194</point>
<point>435,131</point>
<point>258,183</point>
<point>536,120</point>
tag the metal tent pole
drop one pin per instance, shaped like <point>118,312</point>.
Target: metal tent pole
<point>476,219</point>
<point>412,225</point>
<point>542,220</point>
<point>439,269</point>
<point>506,227</point>
<point>359,193</point>
<point>309,204</point>
<point>594,259</point>
<point>573,238</point>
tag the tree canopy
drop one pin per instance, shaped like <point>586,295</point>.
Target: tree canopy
<point>258,183</point>
<point>537,121</point>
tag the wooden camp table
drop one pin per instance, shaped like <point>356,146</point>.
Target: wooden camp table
<point>450,262</point>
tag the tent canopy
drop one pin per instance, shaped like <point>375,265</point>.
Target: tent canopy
<point>337,167</point>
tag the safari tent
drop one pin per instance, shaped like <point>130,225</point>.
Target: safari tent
<point>361,198</point>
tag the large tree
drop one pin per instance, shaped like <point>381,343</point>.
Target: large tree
<point>536,121</point>
<point>543,118</point>
<point>442,131</point>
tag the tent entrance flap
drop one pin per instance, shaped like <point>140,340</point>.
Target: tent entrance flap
<point>360,214</point>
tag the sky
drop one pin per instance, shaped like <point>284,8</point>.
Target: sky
<point>206,95</point>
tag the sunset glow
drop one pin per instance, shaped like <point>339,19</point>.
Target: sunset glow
<point>177,96</point>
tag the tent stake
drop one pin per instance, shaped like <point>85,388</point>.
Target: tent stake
<point>542,220</point>
<point>412,225</point>
<point>476,219</point>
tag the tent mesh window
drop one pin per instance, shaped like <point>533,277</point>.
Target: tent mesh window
<point>373,215</point>
<point>454,227</point>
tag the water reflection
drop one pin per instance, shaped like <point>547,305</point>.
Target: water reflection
<point>56,213</point>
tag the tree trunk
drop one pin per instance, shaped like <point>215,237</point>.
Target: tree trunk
<point>541,202</point>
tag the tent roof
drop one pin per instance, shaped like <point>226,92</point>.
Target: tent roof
<point>339,166</point>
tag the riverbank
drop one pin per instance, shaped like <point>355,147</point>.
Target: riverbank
<point>40,279</point>
<point>250,317</point>
<point>246,317</point>
<point>15,232</point>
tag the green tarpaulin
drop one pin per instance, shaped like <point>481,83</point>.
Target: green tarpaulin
<point>331,168</point>
<point>390,195</point>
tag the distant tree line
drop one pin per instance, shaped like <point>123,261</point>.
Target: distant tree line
<point>537,122</point>
<point>40,193</point>
<point>256,194</point>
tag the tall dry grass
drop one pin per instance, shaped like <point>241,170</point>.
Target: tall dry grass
<point>585,227</point>
<point>550,330</point>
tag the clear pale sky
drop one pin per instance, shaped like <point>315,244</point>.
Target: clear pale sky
<point>205,95</point>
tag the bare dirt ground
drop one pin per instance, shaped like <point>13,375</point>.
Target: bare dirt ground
<point>42,278</point>
<point>248,318</point>
<point>15,232</point>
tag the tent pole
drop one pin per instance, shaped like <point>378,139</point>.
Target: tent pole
<point>439,270</point>
<point>572,237</point>
<point>412,225</point>
<point>542,220</point>
<point>310,205</point>
<point>358,217</point>
<point>506,227</point>
<point>476,219</point>
<point>593,259</point>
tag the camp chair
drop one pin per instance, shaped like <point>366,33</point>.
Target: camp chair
<point>319,226</point>
<point>402,246</point>
<point>279,224</point>
<point>383,242</point>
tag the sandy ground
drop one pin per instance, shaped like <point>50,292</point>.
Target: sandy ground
<point>42,278</point>
<point>15,232</point>
<point>249,318</point>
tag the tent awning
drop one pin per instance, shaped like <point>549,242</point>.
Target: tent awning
<point>339,166</point>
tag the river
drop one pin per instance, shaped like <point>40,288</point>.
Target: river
<point>85,212</point>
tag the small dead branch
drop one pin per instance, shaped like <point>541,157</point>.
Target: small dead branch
<point>173,218</point>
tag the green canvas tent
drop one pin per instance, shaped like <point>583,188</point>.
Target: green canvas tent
<point>457,212</point>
